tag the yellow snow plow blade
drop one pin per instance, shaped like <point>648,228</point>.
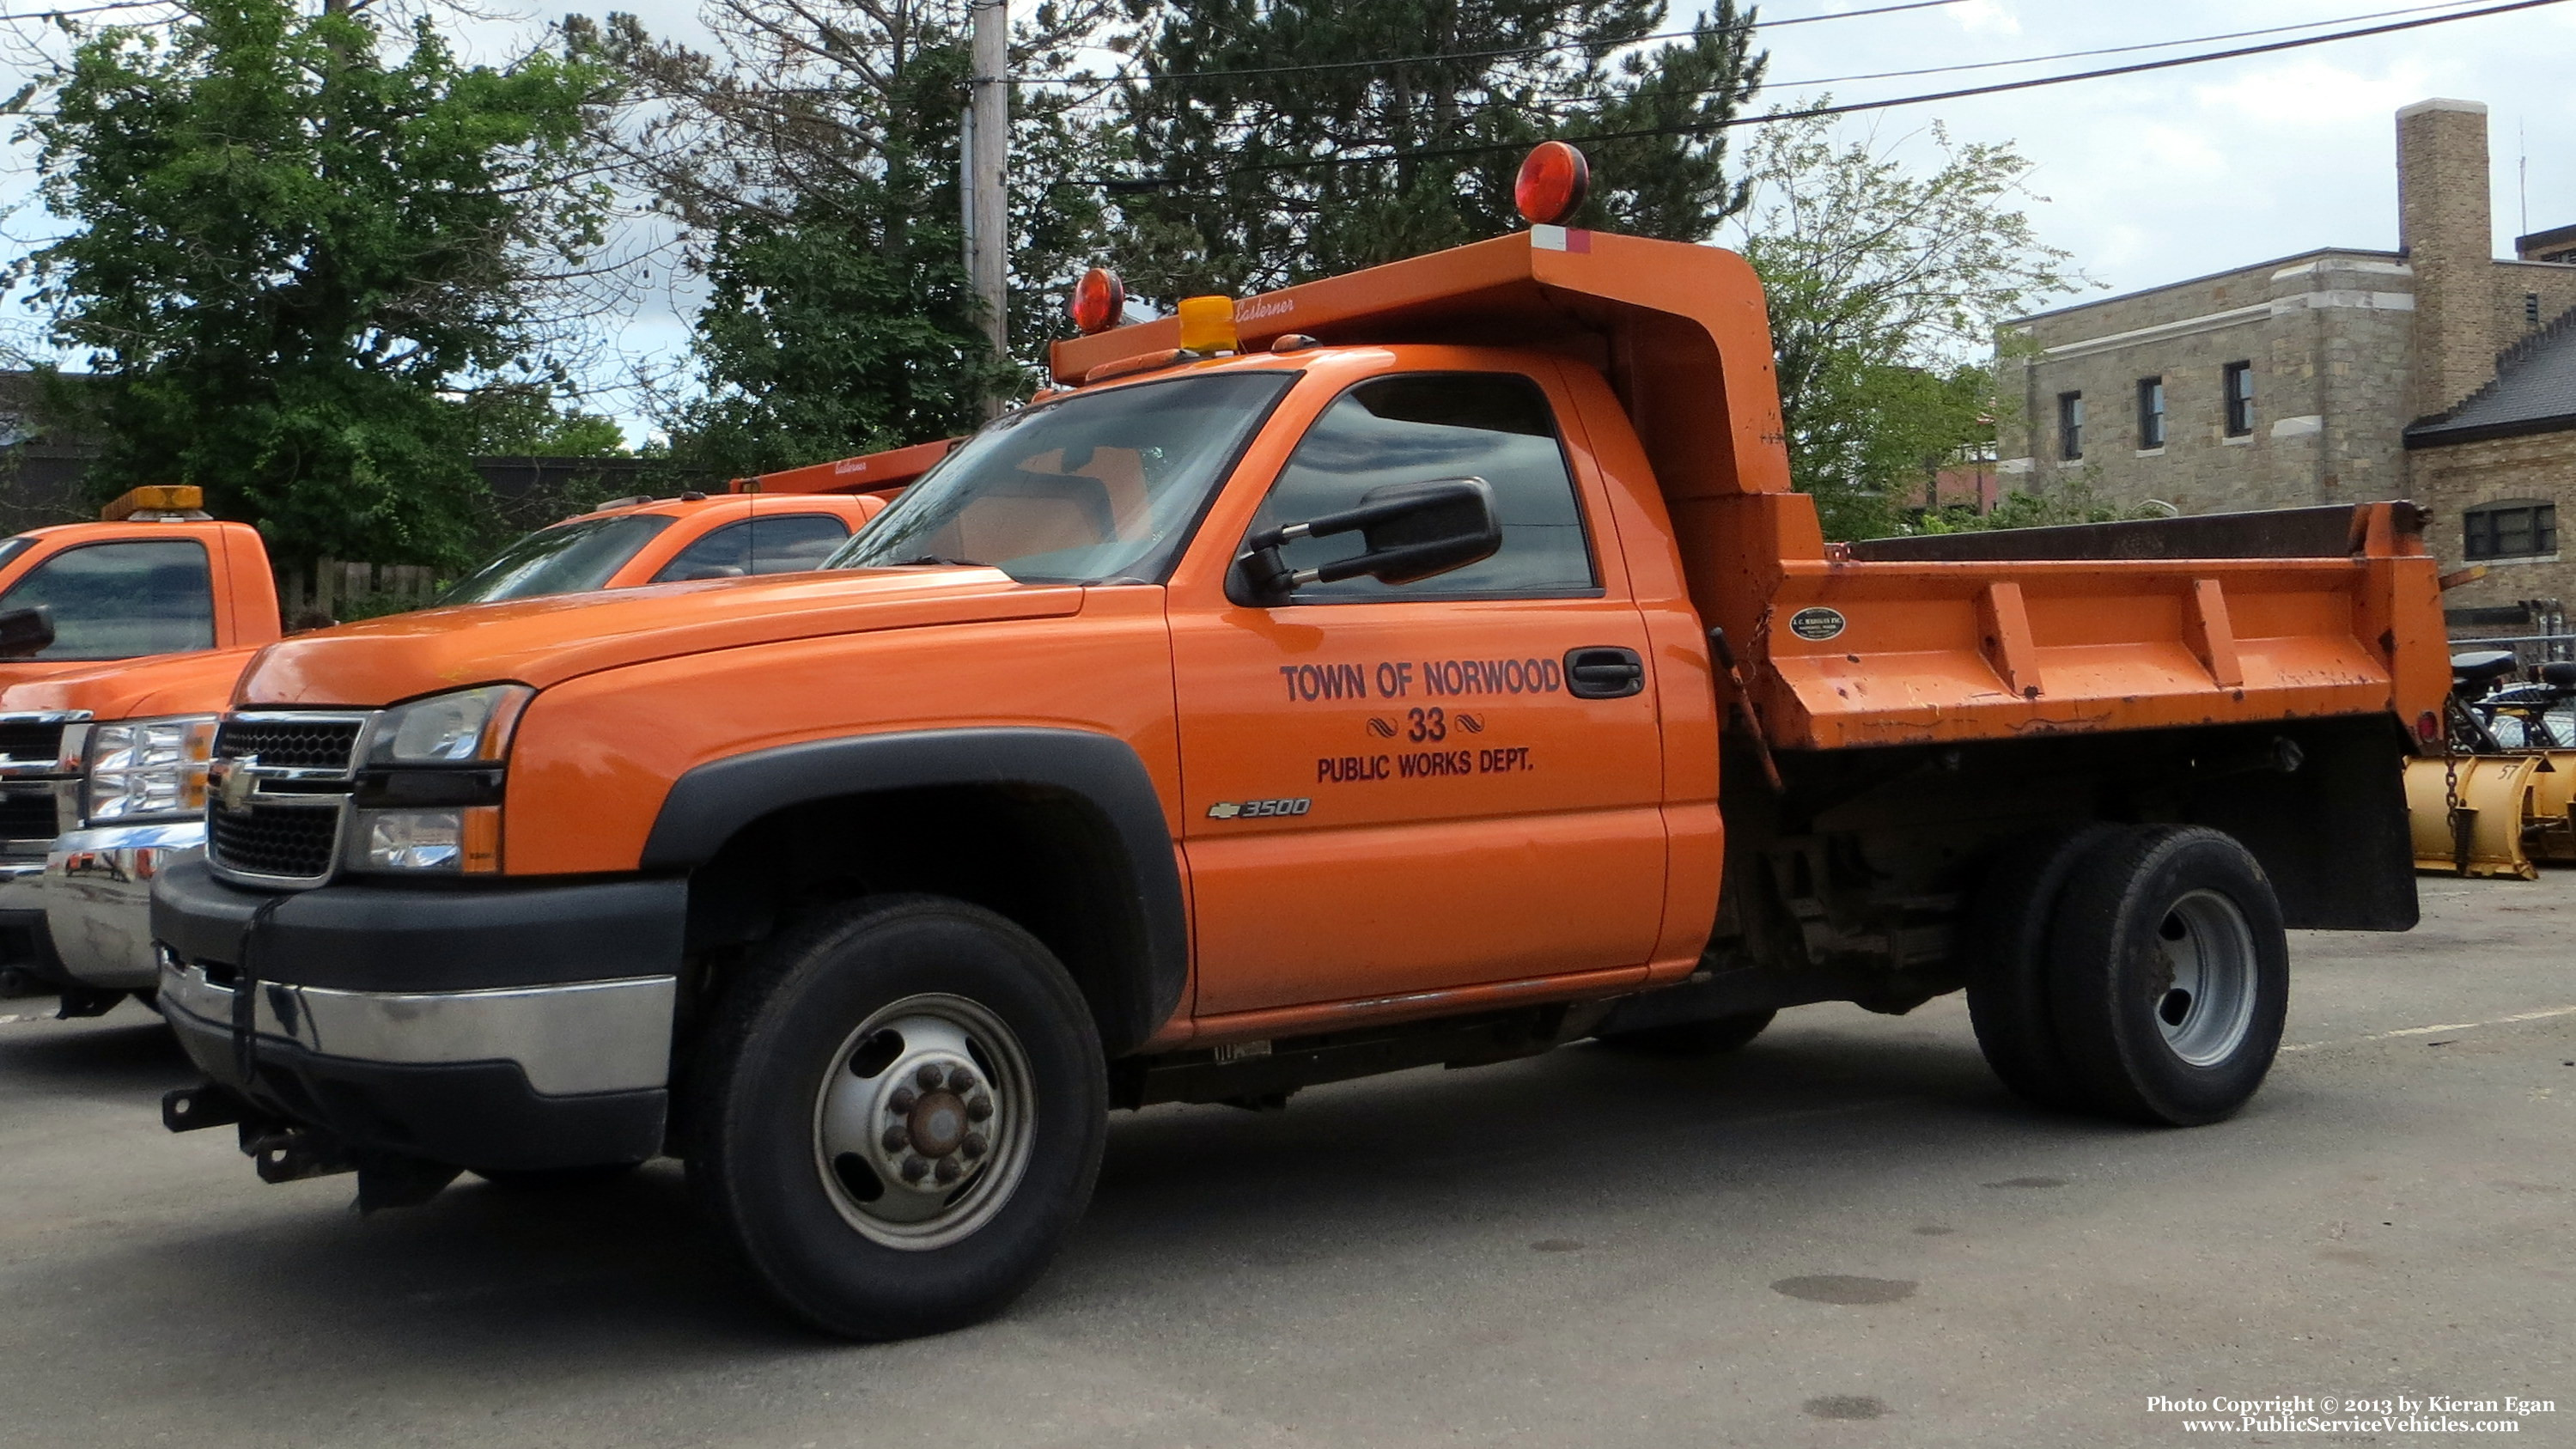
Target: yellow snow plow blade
<point>2496,801</point>
<point>2550,832</point>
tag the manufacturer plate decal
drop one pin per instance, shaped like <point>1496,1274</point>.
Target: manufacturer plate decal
<point>1817,624</point>
<point>1258,809</point>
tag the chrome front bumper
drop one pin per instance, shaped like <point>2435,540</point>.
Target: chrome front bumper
<point>22,885</point>
<point>97,898</point>
<point>571,1040</point>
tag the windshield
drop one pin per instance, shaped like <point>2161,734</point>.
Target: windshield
<point>565,559</point>
<point>1100,486</point>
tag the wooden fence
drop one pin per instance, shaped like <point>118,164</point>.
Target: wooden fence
<point>332,586</point>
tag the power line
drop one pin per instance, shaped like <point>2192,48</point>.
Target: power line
<point>1811,112</point>
<point>1181,75</point>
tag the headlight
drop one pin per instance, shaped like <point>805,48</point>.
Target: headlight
<point>465,726</point>
<point>148,768</point>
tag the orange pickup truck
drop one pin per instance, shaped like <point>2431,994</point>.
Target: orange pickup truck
<point>1425,665</point>
<point>105,781</point>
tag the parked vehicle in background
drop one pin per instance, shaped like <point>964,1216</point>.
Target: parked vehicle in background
<point>106,780</point>
<point>1331,682</point>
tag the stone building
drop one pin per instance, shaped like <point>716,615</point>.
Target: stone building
<point>2436,371</point>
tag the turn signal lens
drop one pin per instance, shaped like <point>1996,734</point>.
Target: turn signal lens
<point>1207,324</point>
<point>1554,180</point>
<point>1099,299</point>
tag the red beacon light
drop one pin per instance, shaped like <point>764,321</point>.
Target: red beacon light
<point>1099,300</point>
<point>1554,180</point>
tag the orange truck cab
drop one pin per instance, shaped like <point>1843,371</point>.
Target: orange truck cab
<point>105,784</point>
<point>1426,665</point>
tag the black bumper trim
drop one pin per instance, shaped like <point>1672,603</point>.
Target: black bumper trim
<point>395,938</point>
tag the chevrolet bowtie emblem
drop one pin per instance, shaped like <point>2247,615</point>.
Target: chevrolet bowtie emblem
<point>233,781</point>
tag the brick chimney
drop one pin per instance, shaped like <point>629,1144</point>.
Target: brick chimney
<point>2446,228</point>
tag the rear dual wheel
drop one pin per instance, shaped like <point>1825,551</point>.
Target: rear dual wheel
<point>898,1116</point>
<point>2141,972</point>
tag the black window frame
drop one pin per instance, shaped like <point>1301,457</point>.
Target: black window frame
<point>1239,592</point>
<point>2236,394</point>
<point>2481,537</point>
<point>2151,413</point>
<point>2070,426</point>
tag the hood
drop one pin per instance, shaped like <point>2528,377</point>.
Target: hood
<point>163,684</point>
<point>546,641</point>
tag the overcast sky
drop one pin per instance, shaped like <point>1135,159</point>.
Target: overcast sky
<point>2148,178</point>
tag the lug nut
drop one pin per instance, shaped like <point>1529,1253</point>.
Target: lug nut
<point>960,1079</point>
<point>928,1076</point>
<point>903,1100</point>
<point>896,1139</point>
<point>949,1171</point>
<point>914,1169</point>
<point>978,1107</point>
<point>974,1144</point>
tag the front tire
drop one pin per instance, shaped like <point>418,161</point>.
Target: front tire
<point>898,1115</point>
<point>2170,976</point>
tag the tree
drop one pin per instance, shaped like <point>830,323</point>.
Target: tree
<point>303,241</point>
<point>1883,285</point>
<point>812,160</point>
<point>1277,140</point>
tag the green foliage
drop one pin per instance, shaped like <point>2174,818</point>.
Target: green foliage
<point>522,421</point>
<point>1234,202</point>
<point>814,158</point>
<point>1882,285</point>
<point>300,237</point>
<point>2074,499</point>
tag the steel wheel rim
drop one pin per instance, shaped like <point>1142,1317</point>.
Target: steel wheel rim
<point>2204,1002</point>
<point>899,1146</point>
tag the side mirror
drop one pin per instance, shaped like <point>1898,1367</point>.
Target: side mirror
<point>25,633</point>
<point>1408,532</point>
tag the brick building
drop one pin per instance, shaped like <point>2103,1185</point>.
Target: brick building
<point>2436,371</point>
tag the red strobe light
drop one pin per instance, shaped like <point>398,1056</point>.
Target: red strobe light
<point>1098,300</point>
<point>1553,182</point>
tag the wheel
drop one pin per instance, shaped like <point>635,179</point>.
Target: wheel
<point>2169,975</point>
<point>555,1179</point>
<point>1715,1035</point>
<point>898,1115</point>
<point>2007,958</point>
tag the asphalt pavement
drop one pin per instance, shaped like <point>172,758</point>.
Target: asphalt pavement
<point>1845,1235</point>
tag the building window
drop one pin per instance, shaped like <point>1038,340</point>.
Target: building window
<point>2070,425</point>
<point>2510,530</point>
<point>2239,391</point>
<point>2151,412</point>
<point>2531,309</point>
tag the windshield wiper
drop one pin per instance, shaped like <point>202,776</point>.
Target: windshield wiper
<point>932,558</point>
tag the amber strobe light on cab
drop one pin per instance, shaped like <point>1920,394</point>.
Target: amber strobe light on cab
<point>1099,300</point>
<point>1207,324</point>
<point>1554,180</point>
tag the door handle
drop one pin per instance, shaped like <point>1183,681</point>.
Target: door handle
<point>1604,672</point>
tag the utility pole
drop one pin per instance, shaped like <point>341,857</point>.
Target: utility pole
<point>986,155</point>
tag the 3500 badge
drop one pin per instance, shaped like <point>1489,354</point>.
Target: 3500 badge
<point>1257,809</point>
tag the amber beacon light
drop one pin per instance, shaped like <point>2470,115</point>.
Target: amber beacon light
<point>1098,300</point>
<point>1554,180</point>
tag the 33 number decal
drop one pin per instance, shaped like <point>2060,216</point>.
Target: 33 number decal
<point>1429,725</point>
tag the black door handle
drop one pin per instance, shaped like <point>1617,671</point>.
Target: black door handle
<point>1602,672</point>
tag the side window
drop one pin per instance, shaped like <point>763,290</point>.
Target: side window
<point>123,600</point>
<point>1410,429</point>
<point>786,544</point>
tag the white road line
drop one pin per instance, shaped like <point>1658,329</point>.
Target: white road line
<point>2309,1046</point>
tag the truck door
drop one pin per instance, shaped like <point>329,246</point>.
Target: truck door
<point>1453,782</point>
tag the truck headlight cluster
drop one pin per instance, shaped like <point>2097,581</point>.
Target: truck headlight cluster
<point>429,793</point>
<point>148,769</point>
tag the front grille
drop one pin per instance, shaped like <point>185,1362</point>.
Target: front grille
<point>25,741</point>
<point>27,814</point>
<point>291,744</point>
<point>284,841</point>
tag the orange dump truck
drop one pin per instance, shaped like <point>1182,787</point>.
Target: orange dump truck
<point>1426,665</point>
<point>105,783</point>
